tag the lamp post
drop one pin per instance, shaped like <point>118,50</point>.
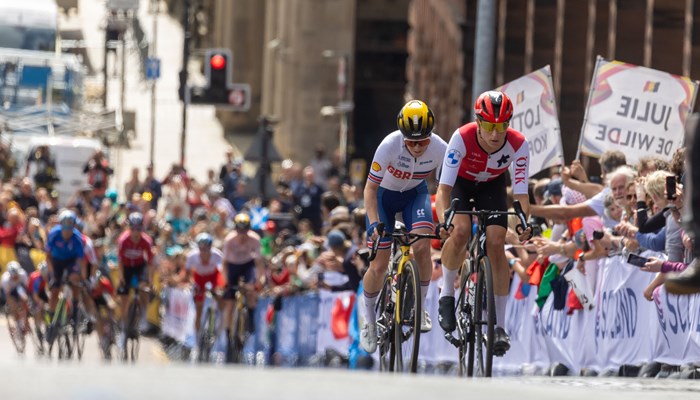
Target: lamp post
<point>345,105</point>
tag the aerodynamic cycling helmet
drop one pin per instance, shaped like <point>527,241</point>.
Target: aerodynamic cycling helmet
<point>135,220</point>
<point>204,239</point>
<point>67,218</point>
<point>494,107</point>
<point>13,268</point>
<point>242,221</point>
<point>416,120</point>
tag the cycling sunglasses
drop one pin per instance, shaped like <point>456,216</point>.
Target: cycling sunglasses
<point>414,143</point>
<point>499,127</point>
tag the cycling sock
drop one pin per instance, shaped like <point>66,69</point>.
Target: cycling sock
<point>448,282</point>
<point>370,306</point>
<point>501,302</point>
<point>424,286</point>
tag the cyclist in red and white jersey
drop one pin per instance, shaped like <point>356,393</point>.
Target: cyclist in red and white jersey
<point>135,256</point>
<point>204,265</point>
<point>397,184</point>
<point>477,156</point>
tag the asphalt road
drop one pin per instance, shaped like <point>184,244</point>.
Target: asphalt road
<point>155,377</point>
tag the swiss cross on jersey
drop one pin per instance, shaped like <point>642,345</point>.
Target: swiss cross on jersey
<point>479,166</point>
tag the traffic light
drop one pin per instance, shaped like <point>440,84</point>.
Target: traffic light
<point>219,89</point>
<point>218,74</point>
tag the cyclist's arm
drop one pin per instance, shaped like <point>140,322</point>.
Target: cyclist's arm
<point>442,200</point>
<point>524,200</point>
<point>370,196</point>
<point>380,162</point>
<point>448,176</point>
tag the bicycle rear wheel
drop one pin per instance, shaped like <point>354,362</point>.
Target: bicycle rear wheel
<point>409,313</point>
<point>484,319</point>
<point>385,326</point>
<point>79,331</point>
<point>16,331</point>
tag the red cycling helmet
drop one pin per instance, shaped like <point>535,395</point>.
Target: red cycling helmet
<point>494,107</point>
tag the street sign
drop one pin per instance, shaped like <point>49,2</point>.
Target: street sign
<point>152,68</point>
<point>123,5</point>
<point>238,98</point>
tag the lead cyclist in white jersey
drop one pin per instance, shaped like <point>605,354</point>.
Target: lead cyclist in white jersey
<point>396,183</point>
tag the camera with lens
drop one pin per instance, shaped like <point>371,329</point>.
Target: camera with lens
<point>364,256</point>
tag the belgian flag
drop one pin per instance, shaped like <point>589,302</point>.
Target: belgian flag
<point>652,86</point>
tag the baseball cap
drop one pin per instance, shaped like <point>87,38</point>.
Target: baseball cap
<point>553,188</point>
<point>335,239</point>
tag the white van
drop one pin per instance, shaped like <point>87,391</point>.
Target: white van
<point>29,24</point>
<point>71,155</point>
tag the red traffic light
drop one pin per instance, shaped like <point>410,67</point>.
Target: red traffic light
<point>217,61</point>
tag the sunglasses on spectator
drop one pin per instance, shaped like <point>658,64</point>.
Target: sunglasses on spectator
<point>631,196</point>
<point>414,143</point>
<point>499,127</point>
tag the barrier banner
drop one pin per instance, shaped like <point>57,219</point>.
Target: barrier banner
<point>637,110</point>
<point>324,333</point>
<point>179,316</point>
<point>677,327</point>
<point>622,328</point>
<point>535,115</point>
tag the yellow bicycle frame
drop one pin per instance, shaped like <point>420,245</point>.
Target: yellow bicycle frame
<point>405,257</point>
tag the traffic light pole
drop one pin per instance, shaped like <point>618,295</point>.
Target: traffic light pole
<point>183,78</point>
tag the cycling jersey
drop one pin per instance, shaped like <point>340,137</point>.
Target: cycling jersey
<point>64,249</point>
<point>37,283</point>
<point>394,168</point>
<point>134,254</point>
<point>9,285</point>
<point>467,159</point>
<point>194,262</point>
<point>89,250</point>
<point>241,248</point>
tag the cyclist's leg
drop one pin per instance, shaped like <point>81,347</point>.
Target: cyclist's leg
<point>234,273</point>
<point>143,283</point>
<point>454,253</point>
<point>496,228</point>
<point>251,295</point>
<point>388,204</point>
<point>124,298</point>
<point>418,217</point>
<point>199,282</point>
<point>55,285</point>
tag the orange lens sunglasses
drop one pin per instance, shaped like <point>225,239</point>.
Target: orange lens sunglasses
<point>490,126</point>
<point>414,143</point>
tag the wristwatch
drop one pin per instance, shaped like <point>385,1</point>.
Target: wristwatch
<point>580,258</point>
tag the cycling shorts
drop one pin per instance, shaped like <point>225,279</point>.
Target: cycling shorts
<point>487,196</point>
<point>216,279</point>
<point>414,206</point>
<point>132,277</point>
<point>61,267</point>
<point>237,271</point>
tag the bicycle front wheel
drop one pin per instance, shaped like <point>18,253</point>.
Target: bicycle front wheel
<point>465,320</point>
<point>407,319</point>
<point>205,336</point>
<point>484,316</point>
<point>385,326</point>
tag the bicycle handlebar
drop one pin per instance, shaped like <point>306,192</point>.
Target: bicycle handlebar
<point>408,238</point>
<point>520,228</point>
